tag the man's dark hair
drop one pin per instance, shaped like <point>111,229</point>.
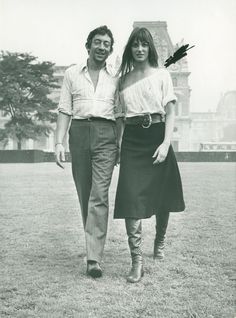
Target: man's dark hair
<point>102,30</point>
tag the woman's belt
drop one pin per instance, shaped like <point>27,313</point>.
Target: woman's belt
<point>145,120</point>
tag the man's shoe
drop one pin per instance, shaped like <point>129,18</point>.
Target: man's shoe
<point>93,269</point>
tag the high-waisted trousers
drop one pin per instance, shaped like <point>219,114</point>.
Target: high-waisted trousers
<point>93,148</point>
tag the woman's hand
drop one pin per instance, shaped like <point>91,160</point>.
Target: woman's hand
<point>161,153</point>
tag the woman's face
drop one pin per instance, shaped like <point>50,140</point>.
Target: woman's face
<point>140,51</point>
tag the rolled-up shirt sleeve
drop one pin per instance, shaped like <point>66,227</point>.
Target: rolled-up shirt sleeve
<point>168,90</point>
<point>65,103</point>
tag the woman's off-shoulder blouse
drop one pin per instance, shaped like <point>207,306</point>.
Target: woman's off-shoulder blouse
<point>148,95</point>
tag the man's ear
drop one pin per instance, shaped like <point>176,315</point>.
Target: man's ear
<point>111,51</point>
<point>87,48</point>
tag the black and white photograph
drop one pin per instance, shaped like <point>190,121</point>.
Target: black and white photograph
<point>117,159</point>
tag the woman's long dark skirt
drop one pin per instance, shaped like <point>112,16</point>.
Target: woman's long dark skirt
<point>145,189</point>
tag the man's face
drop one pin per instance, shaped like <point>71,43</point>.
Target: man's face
<point>100,48</point>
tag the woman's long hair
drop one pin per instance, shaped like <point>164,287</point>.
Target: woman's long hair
<point>142,35</point>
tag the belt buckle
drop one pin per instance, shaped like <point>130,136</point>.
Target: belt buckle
<point>147,120</point>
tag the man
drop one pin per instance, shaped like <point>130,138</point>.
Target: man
<point>88,102</point>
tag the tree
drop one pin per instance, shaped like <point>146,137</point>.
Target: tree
<point>25,86</point>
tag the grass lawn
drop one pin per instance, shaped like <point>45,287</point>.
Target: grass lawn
<point>42,267</point>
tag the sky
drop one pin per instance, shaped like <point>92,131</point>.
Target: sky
<point>56,31</point>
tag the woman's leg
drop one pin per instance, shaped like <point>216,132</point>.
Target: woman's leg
<point>134,232</point>
<point>162,219</point>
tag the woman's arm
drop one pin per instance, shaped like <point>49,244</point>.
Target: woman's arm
<point>120,129</point>
<point>170,120</point>
<point>162,151</point>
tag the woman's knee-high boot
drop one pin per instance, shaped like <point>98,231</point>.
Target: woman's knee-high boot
<point>162,219</point>
<point>134,232</point>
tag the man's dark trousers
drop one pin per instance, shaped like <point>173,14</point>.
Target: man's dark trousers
<point>93,147</point>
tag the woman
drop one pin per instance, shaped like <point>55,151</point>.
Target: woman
<point>149,180</point>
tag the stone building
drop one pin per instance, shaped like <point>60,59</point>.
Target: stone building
<point>191,128</point>
<point>218,126</point>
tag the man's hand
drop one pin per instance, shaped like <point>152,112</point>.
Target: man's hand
<point>60,155</point>
<point>161,153</point>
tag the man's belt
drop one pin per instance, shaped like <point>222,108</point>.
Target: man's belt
<point>94,119</point>
<point>145,120</point>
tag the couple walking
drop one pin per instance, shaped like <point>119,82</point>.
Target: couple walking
<point>128,120</point>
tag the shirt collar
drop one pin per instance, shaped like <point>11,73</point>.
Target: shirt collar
<point>108,68</point>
